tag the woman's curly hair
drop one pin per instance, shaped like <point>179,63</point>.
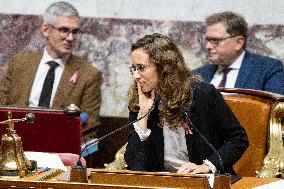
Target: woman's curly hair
<point>175,80</point>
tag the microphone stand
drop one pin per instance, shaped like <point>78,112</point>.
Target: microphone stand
<point>185,110</point>
<point>79,172</point>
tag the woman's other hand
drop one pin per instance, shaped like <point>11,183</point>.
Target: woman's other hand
<point>192,168</point>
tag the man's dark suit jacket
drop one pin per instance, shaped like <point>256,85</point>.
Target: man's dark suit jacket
<point>211,116</point>
<point>85,92</point>
<point>256,72</point>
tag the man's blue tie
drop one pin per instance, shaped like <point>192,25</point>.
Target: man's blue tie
<point>45,95</point>
<point>224,79</point>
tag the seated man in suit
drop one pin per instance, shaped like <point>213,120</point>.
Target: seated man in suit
<point>54,78</point>
<point>233,66</point>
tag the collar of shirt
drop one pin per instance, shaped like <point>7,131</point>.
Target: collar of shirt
<point>236,65</point>
<point>232,75</point>
<point>46,58</point>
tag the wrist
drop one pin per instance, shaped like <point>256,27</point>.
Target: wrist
<point>206,168</point>
<point>211,167</point>
<point>143,134</point>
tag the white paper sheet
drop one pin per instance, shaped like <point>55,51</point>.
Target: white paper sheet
<point>46,160</point>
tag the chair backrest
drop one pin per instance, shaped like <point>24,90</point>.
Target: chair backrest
<point>52,130</point>
<point>260,114</point>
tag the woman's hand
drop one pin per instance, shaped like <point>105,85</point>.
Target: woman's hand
<point>192,168</point>
<point>145,101</point>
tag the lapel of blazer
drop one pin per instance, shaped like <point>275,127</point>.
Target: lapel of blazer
<point>208,76</point>
<point>65,86</point>
<point>190,136</point>
<point>245,70</point>
<point>32,65</point>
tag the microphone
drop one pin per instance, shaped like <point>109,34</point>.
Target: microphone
<point>72,110</point>
<point>84,118</point>
<point>185,111</point>
<point>156,100</point>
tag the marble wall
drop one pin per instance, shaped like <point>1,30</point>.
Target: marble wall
<point>105,43</point>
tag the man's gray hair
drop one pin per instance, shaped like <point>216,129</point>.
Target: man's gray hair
<point>58,9</point>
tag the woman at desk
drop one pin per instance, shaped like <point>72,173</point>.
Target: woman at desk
<point>180,116</point>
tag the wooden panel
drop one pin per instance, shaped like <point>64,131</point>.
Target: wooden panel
<point>58,185</point>
<point>155,179</point>
<point>246,182</point>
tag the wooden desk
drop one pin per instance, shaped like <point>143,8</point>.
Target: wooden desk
<point>157,179</point>
<point>135,182</point>
<point>59,185</point>
<point>125,179</point>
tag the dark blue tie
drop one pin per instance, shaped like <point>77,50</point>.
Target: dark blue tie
<point>224,79</point>
<point>45,95</point>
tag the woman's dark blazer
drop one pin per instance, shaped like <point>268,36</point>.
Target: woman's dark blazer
<point>211,116</point>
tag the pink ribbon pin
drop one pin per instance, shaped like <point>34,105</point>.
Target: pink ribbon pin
<point>74,77</point>
<point>187,129</point>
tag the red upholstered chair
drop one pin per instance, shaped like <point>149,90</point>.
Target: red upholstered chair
<point>53,131</point>
<point>260,114</point>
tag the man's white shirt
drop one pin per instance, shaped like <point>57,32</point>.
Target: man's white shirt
<point>40,77</point>
<point>231,76</point>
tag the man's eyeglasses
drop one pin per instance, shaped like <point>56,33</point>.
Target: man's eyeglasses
<point>216,41</point>
<point>139,67</point>
<point>64,31</point>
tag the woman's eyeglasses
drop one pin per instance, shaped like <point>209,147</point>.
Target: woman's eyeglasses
<point>139,67</point>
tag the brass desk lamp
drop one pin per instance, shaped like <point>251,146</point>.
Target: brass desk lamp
<point>13,161</point>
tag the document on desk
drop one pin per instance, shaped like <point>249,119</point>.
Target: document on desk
<point>46,160</point>
<point>274,185</point>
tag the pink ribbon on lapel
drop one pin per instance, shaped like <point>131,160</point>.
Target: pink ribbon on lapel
<point>74,77</point>
<point>187,129</point>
